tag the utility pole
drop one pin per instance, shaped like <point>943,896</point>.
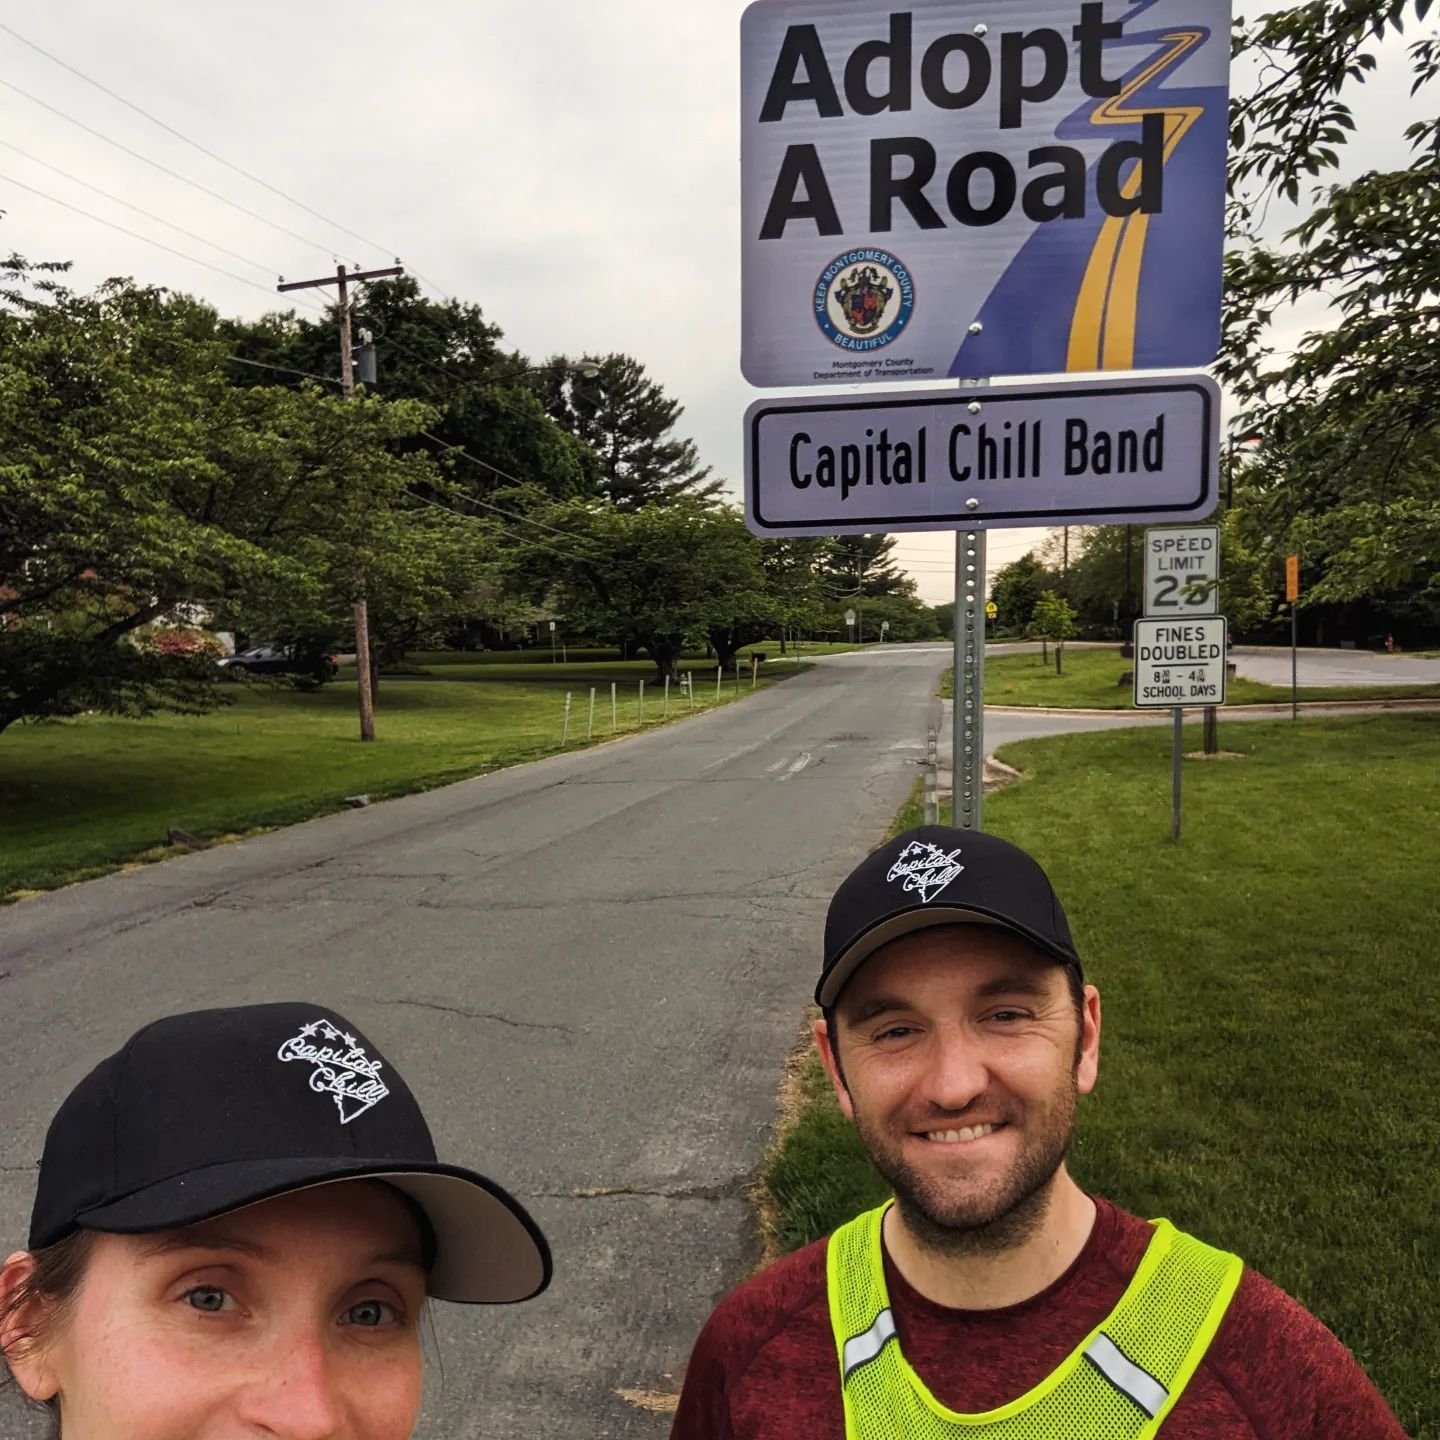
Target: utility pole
<point>364,676</point>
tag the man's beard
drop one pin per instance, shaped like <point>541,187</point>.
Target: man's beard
<point>999,1217</point>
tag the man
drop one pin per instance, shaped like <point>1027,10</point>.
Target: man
<point>995,1298</point>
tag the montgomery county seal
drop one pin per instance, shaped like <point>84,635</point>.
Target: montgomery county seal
<point>864,299</point>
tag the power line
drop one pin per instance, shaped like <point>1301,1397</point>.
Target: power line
<point>180,135</point>
<point>136,235</point>
<point>195,144</point>
<point>165,170</point>
<point>129,205</point>
<point>284,369</point>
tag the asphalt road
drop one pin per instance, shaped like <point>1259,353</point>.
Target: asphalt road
<point>1333,667</point>
<point>589,969</point>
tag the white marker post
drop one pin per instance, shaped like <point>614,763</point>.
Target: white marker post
<point>665,712</point>
<point>614,710</point>
<point>590,724</point>
<point>640,710</point>
<point>565,731</point>
<point>719,671</point>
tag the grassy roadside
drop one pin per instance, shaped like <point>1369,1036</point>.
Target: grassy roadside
<point>1091,681</point>
<point>1272,1086</point>
<point>82,797</point>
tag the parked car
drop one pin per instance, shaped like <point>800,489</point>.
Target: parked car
<point>282,660</point>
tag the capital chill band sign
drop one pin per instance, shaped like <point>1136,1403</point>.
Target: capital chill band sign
<point>1031,454</point>
<point>972,189</point>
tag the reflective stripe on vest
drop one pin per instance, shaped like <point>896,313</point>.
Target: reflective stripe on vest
<point>1119,1383</point>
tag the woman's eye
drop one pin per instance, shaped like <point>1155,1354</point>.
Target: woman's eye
<point>210,1299</point>
<point>370,1313</point>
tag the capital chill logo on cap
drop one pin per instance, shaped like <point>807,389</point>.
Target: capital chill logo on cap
<point>926,868</point>
<point>344,1071</point>
<point>864,299</point>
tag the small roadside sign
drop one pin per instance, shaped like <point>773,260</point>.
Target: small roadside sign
<point>849,617</point>
<point>991,610</point>
<point>1180,662</point>
<point>1101,452</point>
<point>1292,578</point>
<point>1182,571</point>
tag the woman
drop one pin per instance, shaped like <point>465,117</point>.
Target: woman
<point>238,1220</point>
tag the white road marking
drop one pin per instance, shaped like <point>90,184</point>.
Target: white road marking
<point>797,765</point>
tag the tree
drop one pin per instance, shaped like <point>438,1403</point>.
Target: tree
<point>1054,620</point>
<point>1017,589</point>
<point>660,577</point>
<point>136,479</point>
<point>627,421</point>
<point>793,584</point>
<point>449,357</point>
<point>1347,472</point>
<point>864,566</point>
<point>904,617</point>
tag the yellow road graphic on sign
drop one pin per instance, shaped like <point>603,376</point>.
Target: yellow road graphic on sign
<point>1102,330</point>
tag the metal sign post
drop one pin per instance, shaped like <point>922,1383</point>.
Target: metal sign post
<point>967,726</point>
<point>1180,663</point>
<point>1292,594</point>
<point>931,195</point>
<point>1177,754</point>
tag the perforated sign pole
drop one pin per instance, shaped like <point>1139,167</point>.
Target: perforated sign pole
<point>967,727</point>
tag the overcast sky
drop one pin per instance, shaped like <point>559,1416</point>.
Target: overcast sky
<point>570,165</point>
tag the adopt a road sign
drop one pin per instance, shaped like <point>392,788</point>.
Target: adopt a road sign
<point>932,189</point>
<point>1182,570</point>
<point>1180,662</point>
<point>1073,452</point>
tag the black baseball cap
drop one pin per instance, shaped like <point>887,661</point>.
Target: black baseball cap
<point>205,1113</point>
<point>934,875</point>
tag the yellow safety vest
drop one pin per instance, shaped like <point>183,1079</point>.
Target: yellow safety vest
<point>1119,1383</point>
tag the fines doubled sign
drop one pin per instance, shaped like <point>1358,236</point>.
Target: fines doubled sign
<point>951,188</point>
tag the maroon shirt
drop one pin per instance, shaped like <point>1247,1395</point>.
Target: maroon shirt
<point>765,1365</point>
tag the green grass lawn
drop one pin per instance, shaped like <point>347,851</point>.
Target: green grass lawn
<point>1090,680</point>
<point>1270,1074</point>
<point>80,797</point>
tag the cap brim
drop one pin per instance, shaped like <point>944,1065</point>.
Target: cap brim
<point>907,922</point>
<point>487,1248</point>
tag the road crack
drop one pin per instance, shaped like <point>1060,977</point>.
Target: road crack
<point>491,1015</point>
<point>726,1190</point>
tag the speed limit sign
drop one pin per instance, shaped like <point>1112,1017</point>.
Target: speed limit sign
<point>1182,570</point>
